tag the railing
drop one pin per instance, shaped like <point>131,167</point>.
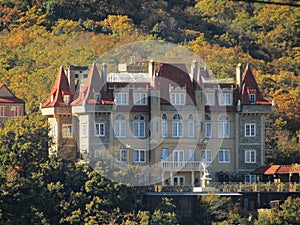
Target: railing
<point>181,165</point>
<point>234,187</point>
<point>258,187</point>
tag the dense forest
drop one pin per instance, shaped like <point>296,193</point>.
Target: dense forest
<point>38,36</point>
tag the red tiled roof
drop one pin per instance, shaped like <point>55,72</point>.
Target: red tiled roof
<point>284,169</point>
<point>10,99</point>
<point>172,75</point>
<point>273,169</point>
<point>250,86</point>
<point>59,89</point>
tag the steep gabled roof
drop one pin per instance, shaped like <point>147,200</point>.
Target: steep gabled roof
<point>172,75</point>
<point>9,97</point>
<point>250,86</point>
<point>94,84</point>
<point>59,89</point>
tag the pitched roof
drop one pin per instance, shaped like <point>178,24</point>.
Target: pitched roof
<point>250,86</point>
<point>284,169</point>
<point>60,88</point>
<point>11,98</point>
<point>94,84</point>
<point>275,169</point>
<point>172,75</point>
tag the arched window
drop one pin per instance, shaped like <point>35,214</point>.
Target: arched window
<point>191,127</point>
<point>139,126</point>
<point>223,126</point>
<point>177,125</point>
<point>208,126</point>
<point>164,125</point>
<point>120,126</point>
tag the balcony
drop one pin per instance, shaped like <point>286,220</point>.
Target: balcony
<point>182,165</point>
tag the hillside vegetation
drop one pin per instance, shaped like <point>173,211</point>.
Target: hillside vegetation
<point>38,36</point>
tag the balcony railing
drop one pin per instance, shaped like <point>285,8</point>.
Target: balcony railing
<point>189,165</point>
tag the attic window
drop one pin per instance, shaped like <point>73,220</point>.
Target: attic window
<point>252,98</point>
<point>225,99</point>
<point>177,98</point>
<point>97,97</point>
<point>67,99</point>
<point>51,98</point>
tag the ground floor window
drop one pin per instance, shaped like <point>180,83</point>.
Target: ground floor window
<point>250,178</point>
<point>179,181</point>
<point>139,155</point>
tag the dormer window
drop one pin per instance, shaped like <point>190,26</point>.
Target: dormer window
<point>121,98</point>
<point>252,98</point>
<point>140,98</point>
<point>209,98</point>
<point>67,99</point>
<point>97,97</point>
<point>177,98</point>
<point>51,98</point>
<point>225,99</point>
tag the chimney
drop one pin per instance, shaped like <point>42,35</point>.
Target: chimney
<point>104,76</point>
<point>151,68</point>
<point>239,77</point>
<point>194,72</point>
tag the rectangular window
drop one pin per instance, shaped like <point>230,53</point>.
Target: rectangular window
<point>120,129</point>
<point>140,98</point>
<point>139,129</point>
<point>250,156</point>
<point>178,155</point>
<point>97,97</point>
<point>206,155</point>
<point>191,155</point>
<point>83,129</point>
<point>123,155</point>
<point>250,130</point>
<point>177,98</point>
<point>164,154</point>
<point>2,111</point>
<point>177,129</point>
<point>99,129</point>
<point>209,98</point>
<point>252,98</point>
<point>67,99</point>
<point>250,178</point>
<point>223,129</point>
<point>121,98</point>
<point>139,155</point>
<point>191,129</point>
<point>225,99</point>
<point>208,129</point>
<point>224,156</point>
<point>53,130</point>
<point>14,111</point>
<point>164,128</point>
<point>67,131</point>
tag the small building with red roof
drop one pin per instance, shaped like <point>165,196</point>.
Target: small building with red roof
<point>171,122</point>
<point>10,105</point>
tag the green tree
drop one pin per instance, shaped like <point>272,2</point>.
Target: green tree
<point>289,213</point>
